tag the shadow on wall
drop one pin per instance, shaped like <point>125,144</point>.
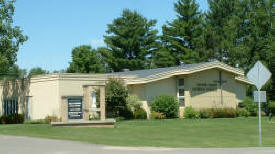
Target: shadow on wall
<point>19,90</point>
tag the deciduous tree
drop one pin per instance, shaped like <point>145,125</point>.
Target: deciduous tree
<point>11,37</point>
<point>86,60</point>
<point>37,71</point>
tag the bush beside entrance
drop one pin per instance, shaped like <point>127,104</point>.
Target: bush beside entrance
<point>120,104</point>
<point>168,105</point>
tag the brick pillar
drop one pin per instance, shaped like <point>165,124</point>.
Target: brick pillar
<point>86,97</point>
<point>102,103</point>
<point>64,109</point>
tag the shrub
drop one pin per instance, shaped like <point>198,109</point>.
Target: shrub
<point>126,113</point>
<point>190,113</point>
<point>166,104</point>
<point>12,119</point>
<point>133,102</point>
<point>242,112</point>
<point>140,113</point>
<point>116,94</point>
<point>157,115</point>
<point>249,105</point>
<point>221,113</point>
<point>49,119</point>
<point>40,121</point>
<point>271,106</point>
<point>205,113</point>
<point>120,119</point>
<point>224,113</point>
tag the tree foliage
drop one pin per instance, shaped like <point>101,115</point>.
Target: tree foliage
<point>183,36</point>
<point>13,73</point>
<point>131,40</point>
<point>163,58</point>
<point>10,36</point>
<point>37,71</point>
<point>86,60</point>
<point>116,98</point>
<point>166,104</point>
<point>236,32</point>
<point>240,31</point>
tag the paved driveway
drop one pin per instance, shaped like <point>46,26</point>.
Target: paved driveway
<point>26,145</point>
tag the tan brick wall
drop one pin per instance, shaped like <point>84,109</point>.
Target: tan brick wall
<point>86,100</point>
<point>64,109</point>
<point>102,103</point>
<point>211,98</point>
<point>232,91</point>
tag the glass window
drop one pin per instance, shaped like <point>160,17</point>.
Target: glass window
<point>181,92</point>
<point>181,82</point>
<point>10,106</point>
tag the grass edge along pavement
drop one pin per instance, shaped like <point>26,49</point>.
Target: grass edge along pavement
<point>188,133</point>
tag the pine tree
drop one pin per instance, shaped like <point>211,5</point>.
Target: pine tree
<point>183,36</point>
<point>257,36</point>
<point>163,58</point>
<point>131,40</point>
<point>221,21</point>
<point>239,31</point>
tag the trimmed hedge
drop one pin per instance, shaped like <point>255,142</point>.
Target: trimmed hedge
<point>167,105</point>
<point>12,119</point>
<point>191,113</point>
<point>224,113</point>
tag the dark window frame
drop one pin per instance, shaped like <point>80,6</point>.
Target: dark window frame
<point>10,106</point>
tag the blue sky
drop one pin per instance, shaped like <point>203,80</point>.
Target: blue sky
<point>54,27</point>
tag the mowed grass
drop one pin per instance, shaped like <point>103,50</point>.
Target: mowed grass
<point>237,132</point>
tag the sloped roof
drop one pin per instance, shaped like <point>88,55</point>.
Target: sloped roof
<point>149,72</point>
<point>149,75</point>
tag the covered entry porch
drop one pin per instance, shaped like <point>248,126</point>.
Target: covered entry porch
<point>77,110</point>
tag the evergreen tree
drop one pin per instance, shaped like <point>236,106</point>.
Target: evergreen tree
<point>85,60</point>
<point>239,32</point>
<point>221,21</point>
<point>257,38</point>
<point>163,58</point>
<point>271,92</point>
<point>131,40</point>
<point>183,36</point>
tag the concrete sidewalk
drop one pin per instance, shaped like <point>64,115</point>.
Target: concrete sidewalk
<point>27,145</point>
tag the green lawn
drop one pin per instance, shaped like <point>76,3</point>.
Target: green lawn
<point>238,132</point>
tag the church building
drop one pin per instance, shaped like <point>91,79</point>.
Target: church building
<point>73,96</point>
